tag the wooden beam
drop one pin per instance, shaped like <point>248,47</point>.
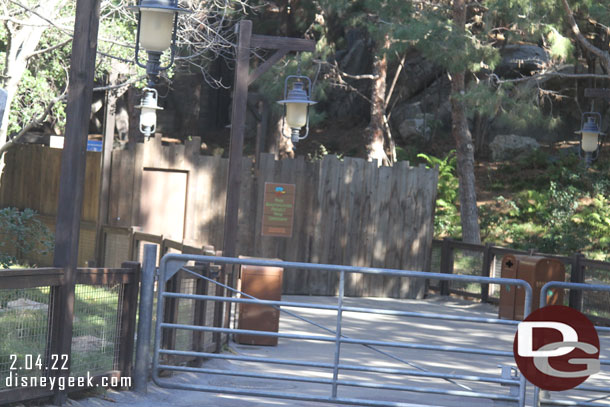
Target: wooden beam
<point>292,44</point>
<point>72,176</point>
<point>265,66</point>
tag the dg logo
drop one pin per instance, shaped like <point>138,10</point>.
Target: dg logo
<point>556,348</point>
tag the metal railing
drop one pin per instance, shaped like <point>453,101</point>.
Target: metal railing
<point>171,264</point>
<point>538,400</point>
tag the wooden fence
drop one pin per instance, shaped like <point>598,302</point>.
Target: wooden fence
<point>347,211</point>
<point>487,263</point>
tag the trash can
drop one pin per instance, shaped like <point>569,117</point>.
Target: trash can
<point>537,271</point>
<point>264,283</point>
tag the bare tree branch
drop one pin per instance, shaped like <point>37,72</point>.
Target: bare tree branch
<point>603,55</point>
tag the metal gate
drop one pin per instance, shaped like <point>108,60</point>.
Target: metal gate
<point>545,398</point>
<point>340,376</point>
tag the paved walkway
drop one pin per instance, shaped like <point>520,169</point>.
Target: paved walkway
<point>356,325</point>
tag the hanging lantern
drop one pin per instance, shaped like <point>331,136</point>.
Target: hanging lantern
<point>157,25</point>
<point>148,115</point>
<point>296,107</point>
<point>590,142</point>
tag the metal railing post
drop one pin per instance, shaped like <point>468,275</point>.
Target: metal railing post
<point>140,380</point>
<point>338,332</point>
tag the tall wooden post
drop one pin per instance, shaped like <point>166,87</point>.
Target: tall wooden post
<point>72,176</point>
<point>238,126</point>
<point>243,78</point>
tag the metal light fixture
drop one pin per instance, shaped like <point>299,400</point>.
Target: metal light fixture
<point>296,107</point>
<point>148,115</point>
<point>157,25</point>
<point>590,142</point>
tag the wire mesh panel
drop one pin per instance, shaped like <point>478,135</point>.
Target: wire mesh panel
<point>186,313</point>
<point>24,315</point>
<point>596,303</point>
<point>116,248</point>
<point>95,340</point>
<point>467,262</point>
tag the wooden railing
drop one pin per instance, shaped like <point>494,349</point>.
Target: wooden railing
<point>577,264</point>
<point>120,284</point>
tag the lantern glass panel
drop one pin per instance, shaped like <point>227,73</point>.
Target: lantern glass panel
<point>156,30</point>
<point>589,141</point>
<point>296,115</point>
<point>148,117</point>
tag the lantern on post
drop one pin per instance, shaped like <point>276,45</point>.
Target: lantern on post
<point>296,104</point>
<point>157,26</point>
<point>590,142</point>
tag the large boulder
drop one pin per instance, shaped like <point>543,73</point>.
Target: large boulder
<point>507,147</point>
<point>410,121</point>
<point>521,60</point>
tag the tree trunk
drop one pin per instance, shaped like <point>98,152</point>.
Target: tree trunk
<point>463,139</point>
<point>281,146</point>
<point>376,128</point>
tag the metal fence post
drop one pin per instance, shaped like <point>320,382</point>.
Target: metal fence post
<point>576,276</point>
<point>140,380</point>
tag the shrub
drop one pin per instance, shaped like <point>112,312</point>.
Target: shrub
<point>24,233</point>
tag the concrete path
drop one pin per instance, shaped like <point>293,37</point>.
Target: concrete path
<point>361,326</point>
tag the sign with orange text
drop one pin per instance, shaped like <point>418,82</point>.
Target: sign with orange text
<point>278,209</point>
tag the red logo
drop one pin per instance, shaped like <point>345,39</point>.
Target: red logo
<point>556,348</point>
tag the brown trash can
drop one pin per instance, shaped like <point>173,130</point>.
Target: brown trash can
<point>537,271</point>
<point>264,283</point>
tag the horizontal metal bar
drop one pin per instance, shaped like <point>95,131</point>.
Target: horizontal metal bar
<point>369,369</point>
<point>174,257</point>
<point>244,374</point>
<point>379,311</point>
<point>546,402</point>
<point>419,373</point>
<point>247,332</point>
<point>288,396</point>
<point>430,390</point>
<point>574,286</point>
<point>444,348</point>
<point>246,358</point>
<point>418,389</point>
<point>457,349</point>
<point>593,388</point>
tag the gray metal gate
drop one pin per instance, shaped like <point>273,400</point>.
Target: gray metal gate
<point>603,391</point>
<point>333,373</point>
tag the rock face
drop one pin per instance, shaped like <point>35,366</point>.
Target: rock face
<point>409,120</point>
<point>521,60</point>
<point>506,147</point>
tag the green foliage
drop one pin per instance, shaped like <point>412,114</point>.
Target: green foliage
<point>23,232</point>
<point>447,215</point>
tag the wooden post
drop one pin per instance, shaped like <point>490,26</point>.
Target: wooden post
<point>109,123</point>
<point>446,264</point>
<point>72,176</point>
<point>576,276</point>
<point>485,271</point>
<point>238,125</point>
<point>243,78</point>
<point>127,313</point>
